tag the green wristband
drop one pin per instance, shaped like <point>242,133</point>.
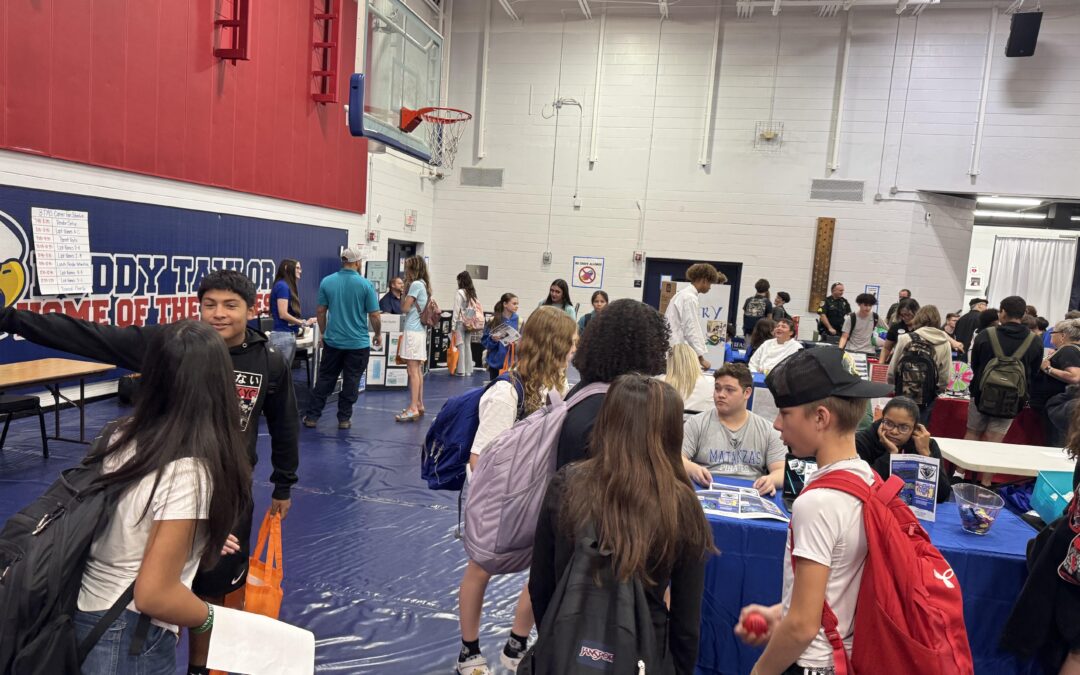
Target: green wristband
<point>208,624</point>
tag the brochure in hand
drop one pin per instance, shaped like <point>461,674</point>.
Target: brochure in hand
<point>920,476</point>
<point>738,502</point>
<point>506,334</point>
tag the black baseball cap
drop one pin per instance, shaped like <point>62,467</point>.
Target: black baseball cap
<point>815,373</point>
<point>976,301</point>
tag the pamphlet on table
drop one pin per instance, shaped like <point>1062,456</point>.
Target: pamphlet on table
<point>920,475</point>
<point>738,502</point>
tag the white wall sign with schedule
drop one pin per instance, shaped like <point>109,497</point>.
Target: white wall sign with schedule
<point>588,272</point>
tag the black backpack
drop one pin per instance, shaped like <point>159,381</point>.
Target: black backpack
<point>917,372</point>
<point>851,321</point>
<point>43,552</point>
<point>594,627</point>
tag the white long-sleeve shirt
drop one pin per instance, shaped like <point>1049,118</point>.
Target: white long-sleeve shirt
<point>684,316</point>
<point>771,352</point>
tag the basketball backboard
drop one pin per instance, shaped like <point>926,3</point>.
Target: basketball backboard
<point>402,69</point>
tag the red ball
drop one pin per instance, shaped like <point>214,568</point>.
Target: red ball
<point>755,624</point>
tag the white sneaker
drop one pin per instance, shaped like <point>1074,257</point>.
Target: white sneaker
<point>474,665</point>
<point>510,663</point>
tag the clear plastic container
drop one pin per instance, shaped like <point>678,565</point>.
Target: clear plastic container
<point>978,506</point>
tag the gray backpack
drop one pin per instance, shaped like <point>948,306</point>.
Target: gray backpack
<point>507,487</point>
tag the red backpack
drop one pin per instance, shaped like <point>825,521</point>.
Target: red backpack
<point>910,612</point>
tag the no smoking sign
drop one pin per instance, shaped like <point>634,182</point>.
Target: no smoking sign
<point>588,272</point>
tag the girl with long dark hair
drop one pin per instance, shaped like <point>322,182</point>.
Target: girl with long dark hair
<point>634,492</point>
<point>285,309</point>
<point>185,476</point>
<point>500,356</point>
<point>600,300</point>
<point>559,297</point>
<point>414,334</point>
<point>467,321</point>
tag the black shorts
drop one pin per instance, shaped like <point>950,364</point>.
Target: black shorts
<point>230,573</point>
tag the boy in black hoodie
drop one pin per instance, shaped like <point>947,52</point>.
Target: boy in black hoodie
<point>263,385</point>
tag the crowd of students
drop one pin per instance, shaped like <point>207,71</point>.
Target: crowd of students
<point>627,456</point>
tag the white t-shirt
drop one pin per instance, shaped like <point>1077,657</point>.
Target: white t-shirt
<point>828,529</point>
<point>684,317</point>
<point>117,552</point>
<point>498,412</point>
<point>701,399</point>
<point>771,352</point>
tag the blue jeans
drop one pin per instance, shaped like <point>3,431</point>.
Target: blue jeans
<point>284,343</point>
<point>351,365</point>
<point>110,655</point>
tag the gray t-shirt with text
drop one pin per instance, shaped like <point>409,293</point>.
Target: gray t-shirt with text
<point>743,453</point>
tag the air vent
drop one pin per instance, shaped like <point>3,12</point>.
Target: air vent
<point>837,190</point>
<point>492,178</point>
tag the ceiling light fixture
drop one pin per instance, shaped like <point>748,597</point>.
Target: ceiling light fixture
<point>1010,214</point>
<point>1010,201</point>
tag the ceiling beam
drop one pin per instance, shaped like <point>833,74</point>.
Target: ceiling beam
<point>584,5</point>
<point>509,10</point>
<point>776,7</point>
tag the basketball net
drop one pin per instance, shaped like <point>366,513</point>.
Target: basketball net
<point>445,127</point>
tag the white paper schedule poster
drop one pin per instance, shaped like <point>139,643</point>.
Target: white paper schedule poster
<point>62,251</point>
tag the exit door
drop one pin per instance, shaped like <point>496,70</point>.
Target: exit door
<point>661,269</point>
<point>397,253</point>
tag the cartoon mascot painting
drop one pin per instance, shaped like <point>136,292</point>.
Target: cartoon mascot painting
<point>14,249</point>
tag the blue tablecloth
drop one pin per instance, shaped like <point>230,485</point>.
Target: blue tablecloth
<point>990,568</point>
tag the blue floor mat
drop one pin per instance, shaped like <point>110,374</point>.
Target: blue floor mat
<point>371,562</point>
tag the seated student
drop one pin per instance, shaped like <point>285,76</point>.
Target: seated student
<point>778,312</point>
<point>627,337</point>
<point>821,403</point>
<point>898,432</point>
<point>763,331</point>
<point>547,343</point>
<point>771,352</point>
<point>905,317</point>
<point>729,440</point>
<point>636,496</point>
<point>185,479</point>
<point>684,374</point>
<point>859,333</point>
<point>925,330</point>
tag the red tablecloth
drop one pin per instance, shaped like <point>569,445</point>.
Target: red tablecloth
<point>950,421</point>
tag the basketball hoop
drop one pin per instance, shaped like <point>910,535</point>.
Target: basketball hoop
<point>444,129</point>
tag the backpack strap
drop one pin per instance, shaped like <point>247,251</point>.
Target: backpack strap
<point>142,629</point>
<point>995,344</point>
<point>1024,345</point>
<point>588,391</point>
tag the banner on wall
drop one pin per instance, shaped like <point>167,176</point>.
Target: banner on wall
<point>714,320</point>
<point>147,261</point>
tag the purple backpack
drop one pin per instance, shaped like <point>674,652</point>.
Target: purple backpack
<point>507,487</point>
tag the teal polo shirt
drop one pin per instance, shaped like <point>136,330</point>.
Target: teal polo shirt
<point>349,298</point>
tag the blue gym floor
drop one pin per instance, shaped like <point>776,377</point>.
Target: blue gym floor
<point>371,563</point>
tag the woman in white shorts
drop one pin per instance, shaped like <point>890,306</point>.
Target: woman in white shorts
<point>414,336</point>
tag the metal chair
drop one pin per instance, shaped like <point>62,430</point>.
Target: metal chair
<point>9,405</point>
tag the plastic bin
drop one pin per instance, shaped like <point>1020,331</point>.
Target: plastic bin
<point>1053,490</point>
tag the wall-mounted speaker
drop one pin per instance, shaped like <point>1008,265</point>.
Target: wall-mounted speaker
<point>1023,34</point>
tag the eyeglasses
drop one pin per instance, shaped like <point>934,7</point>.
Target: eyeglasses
<point>889,424</point>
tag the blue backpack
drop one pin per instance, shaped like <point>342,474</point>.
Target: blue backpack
<point>448,443</point>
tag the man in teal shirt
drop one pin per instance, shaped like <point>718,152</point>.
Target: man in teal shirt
<point>347,305</point>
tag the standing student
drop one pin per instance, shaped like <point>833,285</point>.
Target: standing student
<point>967,325</point>
<point>1057,373</point>
<point>264,387</point>
<point>859,333</point>
<point>466,310</point>
<point>391,302</point>
<point>684,311</point>
<point>348,313</point>
<point>890,316</point>
<point>599,302</point>
<point>685,376</point>
<point>905,323</point>
<point>505,312</point>
<point>821,403</point>
<point>899,432</point>
<point>285,309</point>
<point>778,312</point>
<point>832,312</point>
<point>782,345</point>
<point>547,343</point>
<point>184,480</point>
<point>628,337</point>
<point>757,306</point>
<point>1010,338</point>
<point>927,332</point>
<point>559,297</point>
<point>414,337</point>
<point>637,498</point>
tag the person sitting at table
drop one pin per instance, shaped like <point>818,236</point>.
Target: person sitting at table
<point>1045,621</point>
<point>729,440</point>
<point>898,432</point>
<point>1056,374</point>
<point>771,352</point>
<point>763,331</point>
<point>391,302</point>
<point>684,374</point>
<point>905,318</point>
<point>631,496</point>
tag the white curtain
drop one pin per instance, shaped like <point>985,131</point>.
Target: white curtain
<point>1038,270</point>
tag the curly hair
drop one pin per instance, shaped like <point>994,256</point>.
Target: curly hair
<point>627,337</point>
<point>546,341</point>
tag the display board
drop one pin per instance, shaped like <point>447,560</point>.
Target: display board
<point>819,275</point>
<point>714,313</point>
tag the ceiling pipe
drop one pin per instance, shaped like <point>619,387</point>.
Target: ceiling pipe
<point>509,10</point>
<point>584,5</point>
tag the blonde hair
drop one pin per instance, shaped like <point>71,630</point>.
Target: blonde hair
<point>546,340</point>
<point>683,370</point>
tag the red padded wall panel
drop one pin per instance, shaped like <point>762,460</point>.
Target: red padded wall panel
<point>133,85</point>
